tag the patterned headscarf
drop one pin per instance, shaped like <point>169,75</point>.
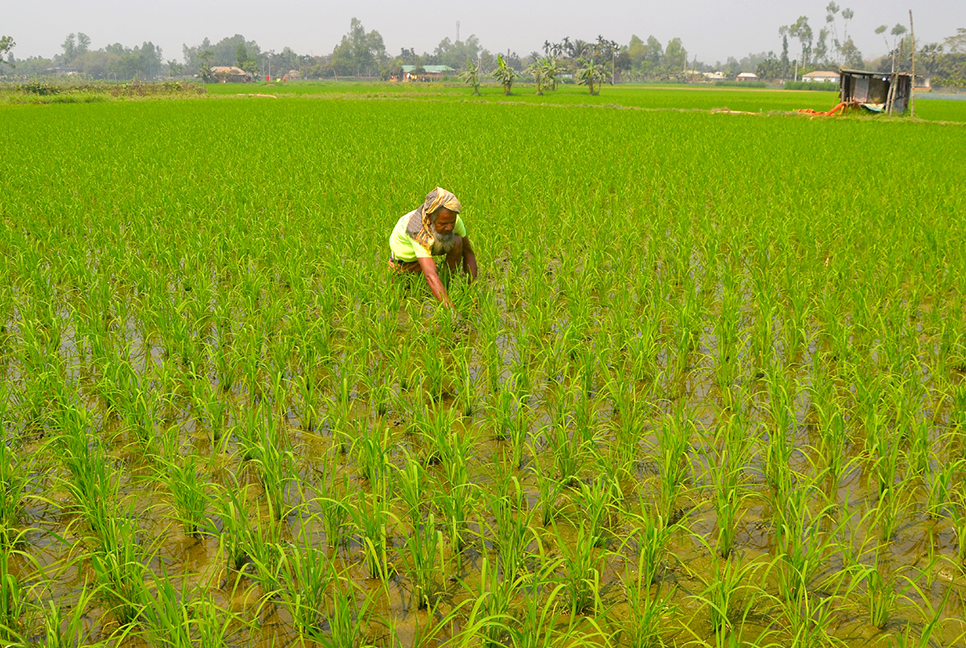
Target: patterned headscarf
<point>420,226</point>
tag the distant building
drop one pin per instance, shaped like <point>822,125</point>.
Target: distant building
<point>821,77</point>
<point>64,70</point>
<point>746,76</point>
<point>429,72</point>
<point>714,76</point>
<point>230,74</point>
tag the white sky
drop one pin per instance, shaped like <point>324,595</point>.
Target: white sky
<point>712,30</point>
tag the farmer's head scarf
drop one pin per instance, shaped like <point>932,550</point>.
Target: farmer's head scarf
<point>420,226</point>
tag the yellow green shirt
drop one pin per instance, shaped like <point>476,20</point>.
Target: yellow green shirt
<point>405,248</point>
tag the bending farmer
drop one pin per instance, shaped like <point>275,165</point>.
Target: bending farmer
<point>433,229</point>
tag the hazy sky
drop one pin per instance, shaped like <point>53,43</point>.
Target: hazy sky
<point>711,30</point>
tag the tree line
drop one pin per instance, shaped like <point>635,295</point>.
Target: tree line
<point>362,54</point>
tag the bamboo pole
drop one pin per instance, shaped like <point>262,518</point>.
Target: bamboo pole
<point>912,89</point>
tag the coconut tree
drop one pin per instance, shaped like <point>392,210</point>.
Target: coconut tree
<point>591,75</point>
<point>472,76</point>
<point>505,74</point>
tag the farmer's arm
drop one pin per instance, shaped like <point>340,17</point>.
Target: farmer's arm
<point>469,258</point>
<point>428,266</point>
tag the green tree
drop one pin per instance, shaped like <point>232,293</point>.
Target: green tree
<point>851,56</point>
<point>83,43</point>
<point>70,49</point>
<point>205,56</point>
<point>6,45</point>
<point>505,74</point>
<point>675,57</point>
<point>471,76</point>
<point>957,42</point>
<point>654,52</point>
<point>802,32</point>
<point>544,72</point>
<point>591,75</point>
<point>637,51</point>
<point>359,53</point>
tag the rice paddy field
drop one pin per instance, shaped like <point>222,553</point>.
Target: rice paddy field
<point>709,389</point>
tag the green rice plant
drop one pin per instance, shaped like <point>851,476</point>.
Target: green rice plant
<point>538,623</point>
<point>811,614</point>
<point>511,418</point>
<point>344,425</point>
<point>14,604</point>
<point>232,507</point>
<point>263,543</point>
<point>511,530</point>
<point>803,543</point>
<point>372,452</point>
<point>882,591</point>
<point>336,512</point>
<point>834,441</point>
<point>651,533</point>
<point>424,555</point>
<point>597,501</point>
<point>434,371</point>
<point>213,625</point>
<point>66,631</point>
<point>119,567</point>
<point>930,615</point>
<point>412,488</point>
<point>467,396</point>
<point>347,619</point>
<point>435,429</point>
<point>646,609</point>
<point>494,598</point>
<point>627,422</point>
<point>548,489</point>
<point>188,493</point>
<point>673,443</point>
<point>569,451</point>
<point>307,577</point>
<point>731,593</point>
<point>370,514</point>
<point>15,480</point>
<point>275,463</point>
<point>581,563</point>
<point>167,615</point>
<point>457,498</point>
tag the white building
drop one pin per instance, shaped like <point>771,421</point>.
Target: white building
<point>821,77</point>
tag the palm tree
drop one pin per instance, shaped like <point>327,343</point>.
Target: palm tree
<point>591,75</point>
<point>505,74</point>
<point>472,76</point>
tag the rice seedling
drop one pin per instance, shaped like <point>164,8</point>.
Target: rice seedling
<point>14,604</point>
<point>120,570</point>
<point>424,555</point>
<point>647,607</point>
<point>188,494</point>
<point>66,630</point>
<point>371,516</point>
<point>581,564</point>
<point>731,593</point>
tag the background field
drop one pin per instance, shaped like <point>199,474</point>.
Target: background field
<point>708,389</point>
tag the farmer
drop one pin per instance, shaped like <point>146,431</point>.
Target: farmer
<point>433,229</point>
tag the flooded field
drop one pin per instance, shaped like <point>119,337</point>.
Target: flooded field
<point>709,390</point>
